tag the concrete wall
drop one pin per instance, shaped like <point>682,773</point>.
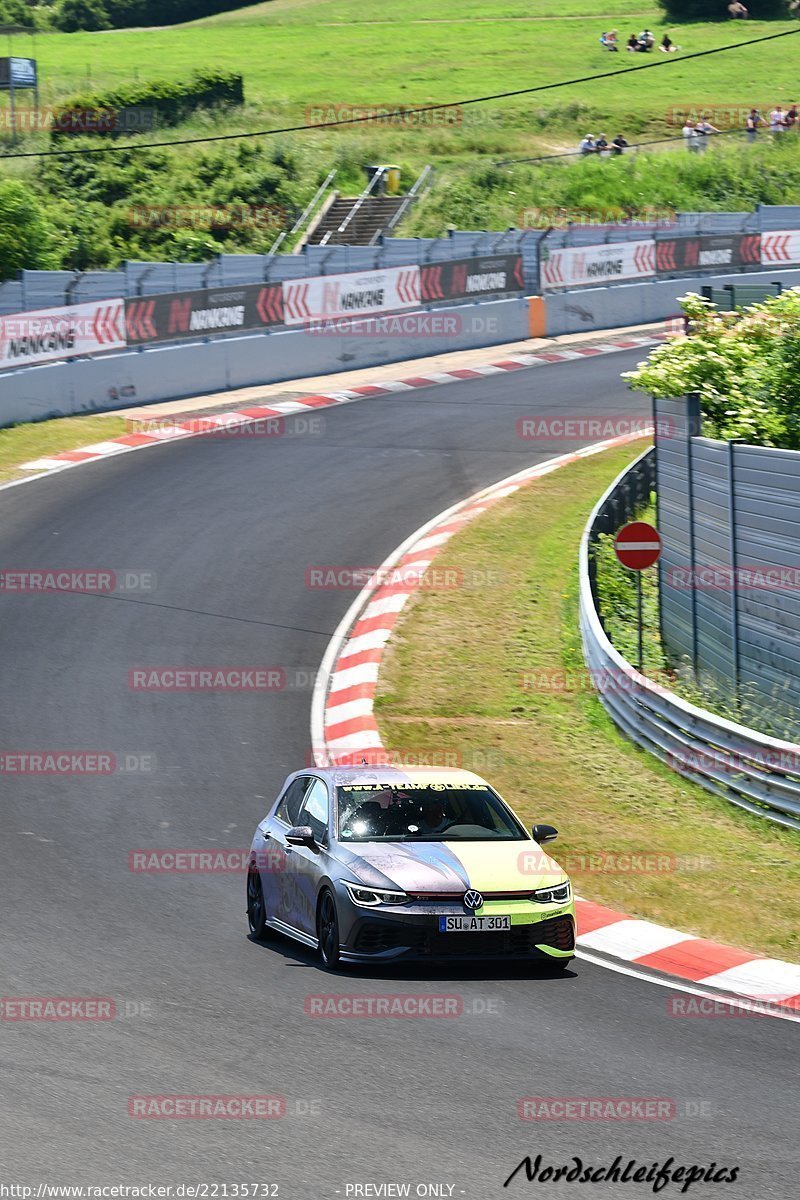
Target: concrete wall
<point>132,377</point>
<point>640,303</point>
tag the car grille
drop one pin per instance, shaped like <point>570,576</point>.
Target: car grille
<point>375,937</point>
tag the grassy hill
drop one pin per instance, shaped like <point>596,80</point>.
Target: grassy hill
<point>301,58</point>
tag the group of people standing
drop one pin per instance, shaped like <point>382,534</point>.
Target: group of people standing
<point>696,133</point>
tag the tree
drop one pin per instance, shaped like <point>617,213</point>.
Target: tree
<point>74,15</point>
<point>717,10</point>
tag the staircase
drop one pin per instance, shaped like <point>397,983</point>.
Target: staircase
<point>373,216</point>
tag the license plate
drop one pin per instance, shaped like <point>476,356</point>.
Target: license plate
<point>473,924</point>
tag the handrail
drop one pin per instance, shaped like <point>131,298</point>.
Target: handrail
<point>379,174</point>
<point>323,187</point>
<point>408,200</point>
<point>751,770</point>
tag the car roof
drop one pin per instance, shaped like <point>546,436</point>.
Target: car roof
<point>395,776</point>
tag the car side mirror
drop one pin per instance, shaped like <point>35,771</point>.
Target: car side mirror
<point>544,833</point>
<point>301,835</point>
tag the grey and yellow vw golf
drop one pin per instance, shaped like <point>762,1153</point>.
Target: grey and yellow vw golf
<point>367,864</point>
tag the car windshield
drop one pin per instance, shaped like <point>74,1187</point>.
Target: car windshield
<point>469,812</point>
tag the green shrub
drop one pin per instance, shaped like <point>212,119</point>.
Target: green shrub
<point>171,101</point>
<point>27,237</point>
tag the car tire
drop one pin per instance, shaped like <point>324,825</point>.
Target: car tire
<point>256,906</point>
<point>328,931</point>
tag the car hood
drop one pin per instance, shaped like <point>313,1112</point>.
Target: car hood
<point>451,866</point>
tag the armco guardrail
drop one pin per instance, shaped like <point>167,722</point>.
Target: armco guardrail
<point>755,772</point>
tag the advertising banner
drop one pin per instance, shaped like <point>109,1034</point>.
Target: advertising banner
<point>468,278</point>
<point>193,314</point>
<point>707,252</point>
<point>592,266</point>
<point>48,334</point>
<point>329,297</point>
<point>782,246</point>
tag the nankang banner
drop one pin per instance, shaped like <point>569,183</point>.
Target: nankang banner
<point>707,252</point>
<point>472,278</point>
<point>194,314</point>
<point>592,266</point>
<point>328,297</point>
<point>49,334</point>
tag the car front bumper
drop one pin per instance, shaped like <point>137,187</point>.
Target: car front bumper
<point>402,933</point>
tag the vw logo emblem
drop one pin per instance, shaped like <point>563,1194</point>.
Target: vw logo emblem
<point>473,900</point>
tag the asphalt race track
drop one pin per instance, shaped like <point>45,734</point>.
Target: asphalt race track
<point>229,528</point>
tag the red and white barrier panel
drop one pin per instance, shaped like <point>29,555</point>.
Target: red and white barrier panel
<point>782,246</point>
<point>48,334</point>
<point>588,266</point>
<point>331,297</point>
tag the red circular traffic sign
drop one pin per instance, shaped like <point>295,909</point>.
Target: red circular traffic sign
<point>638,545</point>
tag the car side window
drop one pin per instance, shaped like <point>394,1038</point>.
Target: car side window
<point>292,799</point>
<point>315,810</point>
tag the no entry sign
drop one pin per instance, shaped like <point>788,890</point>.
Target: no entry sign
<point>637,545</point>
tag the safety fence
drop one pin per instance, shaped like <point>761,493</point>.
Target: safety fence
<point>672,245</point>
<point>729,575</point>
<point>324,304</point>
<point>747,768</point>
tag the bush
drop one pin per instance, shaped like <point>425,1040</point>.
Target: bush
<point>27,238</point>
<point>170,102</point>
<point>745,366</point>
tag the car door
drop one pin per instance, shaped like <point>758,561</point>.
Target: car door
<point>276,862</point>
<point>308,864</point>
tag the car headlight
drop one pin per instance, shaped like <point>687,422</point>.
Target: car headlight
<point>366,897</point>
<point>559,894</point>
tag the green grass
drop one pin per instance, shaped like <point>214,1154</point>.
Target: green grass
<point>465,678</point>
<point>24,443</point>
<point>294,54</point>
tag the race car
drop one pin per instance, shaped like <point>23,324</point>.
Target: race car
<point>378,864</point>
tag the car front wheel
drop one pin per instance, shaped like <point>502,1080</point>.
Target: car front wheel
<point>256,908</point>
<point>328,932</point>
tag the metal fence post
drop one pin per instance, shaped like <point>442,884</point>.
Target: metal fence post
<point>734,581</point>
<point>692,430</point>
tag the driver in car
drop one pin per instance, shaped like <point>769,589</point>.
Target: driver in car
<point>434,819</point>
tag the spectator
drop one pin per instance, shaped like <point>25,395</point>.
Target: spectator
<point>738,10</point>
<point>587,146</point>
<point>777,120</point>
<point>601,144</point>
<point>609,40</point>
<point>667,45</point>
<point>632,42</point>
<point>646,40</point>
<point>704,129</point>
<point>618,145</point>
<point>691,136</point>
<point>792,116</point>
<point>754,119</point>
